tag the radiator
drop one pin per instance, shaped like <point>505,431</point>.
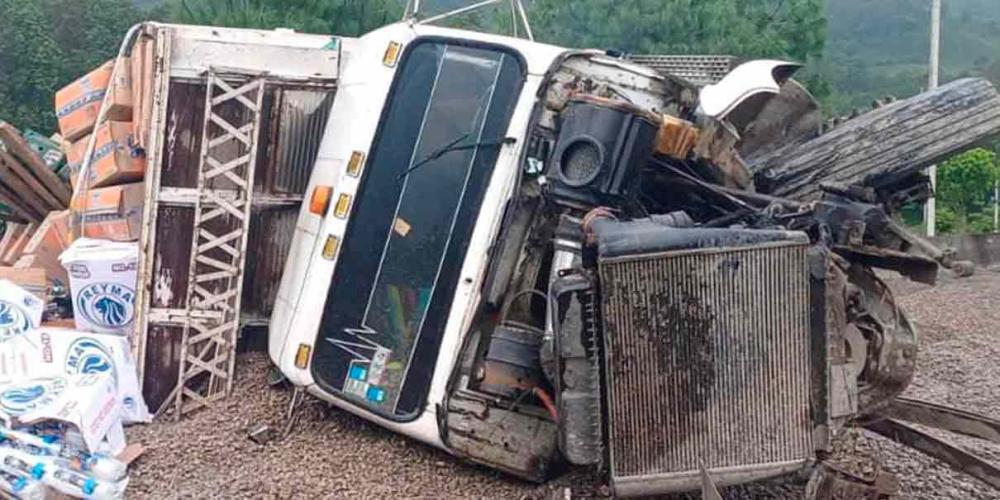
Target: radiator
<point>707,361</point>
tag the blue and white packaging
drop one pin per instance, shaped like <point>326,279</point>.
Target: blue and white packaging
<point>102,279</point>
<point>20,311</point>
<point>49,352</point>
<point>87,402</point>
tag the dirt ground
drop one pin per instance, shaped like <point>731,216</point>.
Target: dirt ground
<point>331,454</point>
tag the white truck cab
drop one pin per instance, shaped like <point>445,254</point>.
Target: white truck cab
<point>384,341</point>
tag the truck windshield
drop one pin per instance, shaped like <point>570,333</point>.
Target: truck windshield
<point>409,231</point>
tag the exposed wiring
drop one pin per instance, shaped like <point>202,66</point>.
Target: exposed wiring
<point>546,402</point>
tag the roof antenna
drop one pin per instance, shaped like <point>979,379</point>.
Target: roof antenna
<point>517,10</point>
<point>412,10</point>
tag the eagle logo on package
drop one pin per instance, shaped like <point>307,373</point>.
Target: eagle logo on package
<point>108,305</point>
<point>21,398</point>
<point>13,320</point>
<point>87,355</point>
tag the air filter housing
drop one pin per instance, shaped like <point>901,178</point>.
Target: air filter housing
<point>707,354</point>
<point>602,147</point>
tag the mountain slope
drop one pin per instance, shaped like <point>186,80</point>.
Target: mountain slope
<point>880,47</point>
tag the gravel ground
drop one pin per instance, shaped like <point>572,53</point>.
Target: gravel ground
<point>331,454</point>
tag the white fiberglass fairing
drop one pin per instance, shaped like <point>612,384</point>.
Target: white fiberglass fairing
<point>743,82</point>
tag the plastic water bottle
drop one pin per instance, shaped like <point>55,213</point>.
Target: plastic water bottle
<point>48,445</point>
<point>81,485</point>
<point>100,466</point>
<point>18,462</point>
<point>21,487</point>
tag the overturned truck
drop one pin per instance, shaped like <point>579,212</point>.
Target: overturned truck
<point>535,257</point>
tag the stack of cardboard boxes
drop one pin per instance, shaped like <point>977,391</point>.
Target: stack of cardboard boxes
<point>108,197</point>
<point>105,203</point>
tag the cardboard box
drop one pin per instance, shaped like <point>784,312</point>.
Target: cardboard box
<point>117,158</point>
<point>48,352</point>
<point>102,278</point>
<point>47,149</point>
<point>20,311</point>
<point>74,158</point>
<point>120,106</point>
<point>88,402</point>
<point>79,103</point>
<point>112,213</point>
<point>45,245</point>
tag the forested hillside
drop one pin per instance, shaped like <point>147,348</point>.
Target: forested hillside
<point>874,48</point>
<point>880,47</point>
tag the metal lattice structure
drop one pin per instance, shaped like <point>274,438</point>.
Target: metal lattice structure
<point>698,70</point>
<point>218,248</point>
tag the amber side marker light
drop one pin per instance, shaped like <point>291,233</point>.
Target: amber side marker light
<point>355,163</point>
<point>392,54</point>
<point>302,356</point>
<point>320,200</point>
<point>330,247</point>
<point>343,205</point>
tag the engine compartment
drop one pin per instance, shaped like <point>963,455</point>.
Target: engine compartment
<point>620,166</point>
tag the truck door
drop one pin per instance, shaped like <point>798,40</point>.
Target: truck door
<point>409,228</point>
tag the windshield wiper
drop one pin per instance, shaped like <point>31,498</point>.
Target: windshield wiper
<point>455,146</point>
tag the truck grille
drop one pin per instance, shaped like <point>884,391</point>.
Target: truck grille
<point>707,362</point>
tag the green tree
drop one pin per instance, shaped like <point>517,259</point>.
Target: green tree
<point>89,32</point>
<point>965,188</point>
<point>338,17</point>
<point>792,29</point>
<point>30,65</point>
<point>752,28</point>
<point>46,44</point>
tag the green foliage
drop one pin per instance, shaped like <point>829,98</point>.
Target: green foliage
<point>965,189</point>
<point>30,64</point>
<point>338,17</point>
<point>946,220</point>
<point>791,29</point>
<point>980,223</point>
<point>965,182</point>
<point>752,28</point>
<point>881,47</point>
<point>46,44</point>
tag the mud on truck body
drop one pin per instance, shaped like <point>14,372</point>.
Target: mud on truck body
<point>536,258</point>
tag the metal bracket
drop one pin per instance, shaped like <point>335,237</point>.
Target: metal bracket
<point>292,414</point>
<point>934,447</point>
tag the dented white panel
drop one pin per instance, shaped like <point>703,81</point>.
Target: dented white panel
<point>191,58</point>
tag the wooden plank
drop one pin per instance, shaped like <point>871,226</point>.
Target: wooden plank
<point>51,237</point>
<point>13,253</point>
<point>32,279</point>
<point>53,269</point>
<point>10,235</point>
<point>59,323</point>
<point>26,187</point>
<point>891,142</point>
<point>17,205</point>
<point>16,144</point>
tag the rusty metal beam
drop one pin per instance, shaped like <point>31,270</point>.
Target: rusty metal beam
<point>948,453</point>
<point>945,418</point>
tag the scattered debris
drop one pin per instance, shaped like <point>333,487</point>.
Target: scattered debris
<point>261,433</point>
